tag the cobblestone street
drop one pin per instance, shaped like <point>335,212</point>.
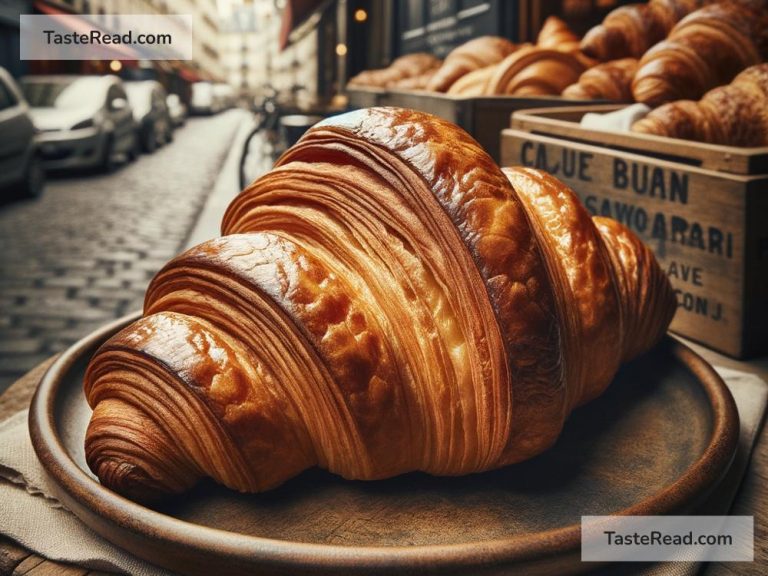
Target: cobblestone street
<point>84,253</point>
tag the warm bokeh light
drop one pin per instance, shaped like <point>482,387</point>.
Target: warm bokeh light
<point>361,15</point>
<point>115,65</point>
<point>341,49</point>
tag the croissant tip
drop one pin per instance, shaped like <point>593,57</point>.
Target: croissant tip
<point>128,480</point>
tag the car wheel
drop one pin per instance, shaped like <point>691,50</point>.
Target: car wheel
<point>107,162</point>
<point>135,149</point>
<point>150,141</point>
<point>33,184</point>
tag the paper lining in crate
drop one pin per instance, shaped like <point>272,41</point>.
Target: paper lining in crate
<point>702,208</point>
<point>365,96</point>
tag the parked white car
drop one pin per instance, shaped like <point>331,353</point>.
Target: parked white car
<point>84,121</point>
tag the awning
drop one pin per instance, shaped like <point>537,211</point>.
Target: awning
<point>79,25</point>
<point>189,75</point>
<point>295,13</point>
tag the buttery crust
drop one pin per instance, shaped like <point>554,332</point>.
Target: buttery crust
<point>607,81</point>
<point>629,31</point>
<point>732,115</point>
<point>407,69</point>
<point>385,300</point>
<point>535,71</point>
<point>555,33</point>
<point>706,49</point>
<point>472,55</point>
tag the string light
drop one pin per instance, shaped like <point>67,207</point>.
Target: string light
<point>361,15</point>
<point>341,49</point>
<point>115,65</point>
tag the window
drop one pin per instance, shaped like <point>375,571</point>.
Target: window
<point>7,97</point>
<point>113,94</point>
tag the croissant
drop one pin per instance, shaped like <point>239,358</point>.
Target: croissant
<point>705,49</point>
<point>633,29</point>
<point>608,81</point>
<point>473,55</point>
<point>555,33</point>
<point>733,115</point>
<point>385,300</point>
<point>416,82</point>
<point>473,83</point>
<point>402,68</point>
<point>535,71</point>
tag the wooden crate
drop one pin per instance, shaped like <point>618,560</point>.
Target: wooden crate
<point>360,97</point>
<point>483,117</point>
<point>703,209</point>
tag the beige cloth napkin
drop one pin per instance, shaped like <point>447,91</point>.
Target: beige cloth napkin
<point>33,518</point>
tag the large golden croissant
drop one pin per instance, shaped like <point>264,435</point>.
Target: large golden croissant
<point>607,81</point>
<point>633,29</point>
<point>385,300</point>
<point>472,55</point>
<point>733,115</point>
<point>705,49</point>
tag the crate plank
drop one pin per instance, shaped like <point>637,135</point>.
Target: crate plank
<point>705,227</point>
<point>563,123</point>
<point>361,97</point>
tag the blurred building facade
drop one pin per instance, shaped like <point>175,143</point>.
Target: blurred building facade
<point>206,63</point>
<point>235,41</point>
<point>252,57</point>
<point>206,32</point>
<point>10,10</point>
<point>205,24</point>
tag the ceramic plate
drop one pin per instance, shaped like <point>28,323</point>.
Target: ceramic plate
<point>656,442</point>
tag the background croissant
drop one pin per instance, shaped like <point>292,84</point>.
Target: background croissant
<point>609,81</point>
<point>535,71</point>
<point>555,33</point>
<point>385,300</point>
<point>473,55</point>
<point>403,68</point>
<point>705,49</point>
<point>633,29</point>
<point>733,115</point>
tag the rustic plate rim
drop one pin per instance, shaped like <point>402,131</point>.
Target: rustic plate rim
<point>127,515</point>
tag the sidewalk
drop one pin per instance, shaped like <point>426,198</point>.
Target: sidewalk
<point>227,186</point>
<point>84,253</point>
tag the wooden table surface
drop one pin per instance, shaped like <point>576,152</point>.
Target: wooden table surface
<point>752,498</point>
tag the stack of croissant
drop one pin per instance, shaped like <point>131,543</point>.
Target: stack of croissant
<point>654,52</point>
<point>679,56</point>
<point>733,115</point>
<point>385,300</point>
<point>667,50</point>
<point>411,70</point>
<point>491,65</point>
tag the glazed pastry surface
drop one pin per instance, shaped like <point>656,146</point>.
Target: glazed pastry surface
<point>731,115</point>
<point>607,81</point>
<point>629,31</point>
<point>385,300</point>
<point>706,49</point>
